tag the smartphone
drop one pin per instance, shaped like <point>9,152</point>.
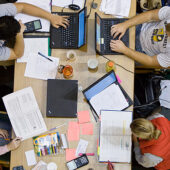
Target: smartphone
<point>32,26</point>
<point>78,162</point>
<point>18,168</point>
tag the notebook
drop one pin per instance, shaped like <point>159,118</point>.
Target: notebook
<point>115,136</point>
<point>103,36</point>
<point>62,98</point>
<point>74,36</point>
<point>107,94</point>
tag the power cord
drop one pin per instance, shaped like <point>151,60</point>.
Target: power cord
<point>90,9</point>
<point>118,65</point>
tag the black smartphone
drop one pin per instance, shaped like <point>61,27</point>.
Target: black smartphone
<point>32,26</point>
<point>78,162</point>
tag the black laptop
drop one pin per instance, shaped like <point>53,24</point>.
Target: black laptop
<point>74,36</point>
<point>103,36</point>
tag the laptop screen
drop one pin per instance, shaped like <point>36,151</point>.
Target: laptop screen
<point>81,28</point>
<point>98,34</point>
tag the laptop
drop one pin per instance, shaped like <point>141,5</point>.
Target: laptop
<point>74,36</point>
<point>103,36</point>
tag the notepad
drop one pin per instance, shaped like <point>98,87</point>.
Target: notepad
<point>115,136</point>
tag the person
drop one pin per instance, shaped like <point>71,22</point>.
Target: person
<point>12,29</point>
<point>153,45</point>
<point>151,138</point>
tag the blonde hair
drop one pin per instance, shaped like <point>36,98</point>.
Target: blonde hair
<point>144,129</point>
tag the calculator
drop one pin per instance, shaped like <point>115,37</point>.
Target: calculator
<point>78,162</point>
<point>18,168</point>
<point>32,26</point>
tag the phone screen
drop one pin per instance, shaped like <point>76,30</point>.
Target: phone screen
<point>37,24</point>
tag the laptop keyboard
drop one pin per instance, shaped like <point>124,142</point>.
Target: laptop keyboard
<point>65,38</point>
<point>107,24</point>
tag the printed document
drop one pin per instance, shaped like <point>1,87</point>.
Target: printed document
<point>66,3</point>
<point>34,45</point>
<point>111,98</point>
<point>24,113</point>
<point>41,68</point>
<point>44,4</point>
<point>116,7</point>
<point>115,136</point>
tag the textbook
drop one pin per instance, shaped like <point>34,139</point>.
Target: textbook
<point>115,136</point>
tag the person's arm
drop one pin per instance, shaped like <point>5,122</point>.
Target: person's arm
<point>147,160</point>
<point>118,46</point>
<point>18,49</point>
<point>3,149</point>
<point>29,9</point>
<point>121,28</point>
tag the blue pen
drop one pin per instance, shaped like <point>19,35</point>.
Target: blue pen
<point>45,56</point>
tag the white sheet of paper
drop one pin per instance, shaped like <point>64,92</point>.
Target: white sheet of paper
<point>44,4</point>
<point>30,156</point>
<point>41,68</point>
<point>82,146</point>
<point>34,45</point>
<point>24,113</point>
<point>110,98</point>
<point>115,136</point>
<point>116,7</point>
<point>65,3</point>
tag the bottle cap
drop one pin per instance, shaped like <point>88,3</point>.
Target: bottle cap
<point>110,64</point>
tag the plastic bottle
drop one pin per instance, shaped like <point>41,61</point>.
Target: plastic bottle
<point>110,65</point>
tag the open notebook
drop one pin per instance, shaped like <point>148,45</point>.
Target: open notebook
<point>115,136</point>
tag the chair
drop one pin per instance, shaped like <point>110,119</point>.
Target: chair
<point>4,159</point>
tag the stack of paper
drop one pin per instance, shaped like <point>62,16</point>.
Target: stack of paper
<point>41,68</point>
<point>115,136</point>
<point>24,113</point>
<point>66,3</point>
<point>116,7</point>
<point>44,4</point>
<point>34,45</point>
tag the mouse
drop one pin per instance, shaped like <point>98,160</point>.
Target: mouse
<point>74,7</point>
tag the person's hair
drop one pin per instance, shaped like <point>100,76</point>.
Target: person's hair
<point>9,27</point>
<point>144,129</point>
<point>168,27</point>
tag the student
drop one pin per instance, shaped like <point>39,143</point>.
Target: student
<point>154,38</point>
<point>153,148</point>
<point>12,29</point>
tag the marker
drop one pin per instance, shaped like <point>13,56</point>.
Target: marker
<point>45,56</point>
<point>57,127</point>
<point>88,154</point>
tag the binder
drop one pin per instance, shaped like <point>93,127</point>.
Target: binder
<point>62,98</point>
<point>102,84</point>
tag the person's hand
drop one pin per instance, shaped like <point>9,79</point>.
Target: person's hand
<point>134,138</point>
<point>14,144</point>
<point>4,133</point>
<point>23,27</point>
<point>118,46</point>
<point>118,29</point>
<point>58,21</point>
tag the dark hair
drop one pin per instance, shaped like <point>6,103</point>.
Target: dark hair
<point>9,27</point>
<point>168,27</point>
<point>7,1</point>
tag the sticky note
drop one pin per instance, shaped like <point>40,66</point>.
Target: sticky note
<point>87,129</point>
<point>118,79</point>
<point>70,154</point>
<point>73,131</point>
<point>30,156</point>
<point>83,116</point>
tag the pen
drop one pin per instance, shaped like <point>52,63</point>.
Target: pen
<point>45,56</point>
<point>88,154</point>
<point>93,114</point>
<point>57,127</point>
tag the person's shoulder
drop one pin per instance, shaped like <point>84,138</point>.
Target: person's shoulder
<point>154,116</point>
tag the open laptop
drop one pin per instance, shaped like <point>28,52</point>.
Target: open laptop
<point>74,36</point>
<point>103,35</point>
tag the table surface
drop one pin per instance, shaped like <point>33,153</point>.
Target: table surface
<point>85,77</point>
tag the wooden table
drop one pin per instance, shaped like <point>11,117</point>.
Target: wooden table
<point>85,78</point>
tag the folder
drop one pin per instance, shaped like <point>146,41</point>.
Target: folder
<point>107,94</point>
<point>62,98</point>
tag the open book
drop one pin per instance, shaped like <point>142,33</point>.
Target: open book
<point>115,136</point>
